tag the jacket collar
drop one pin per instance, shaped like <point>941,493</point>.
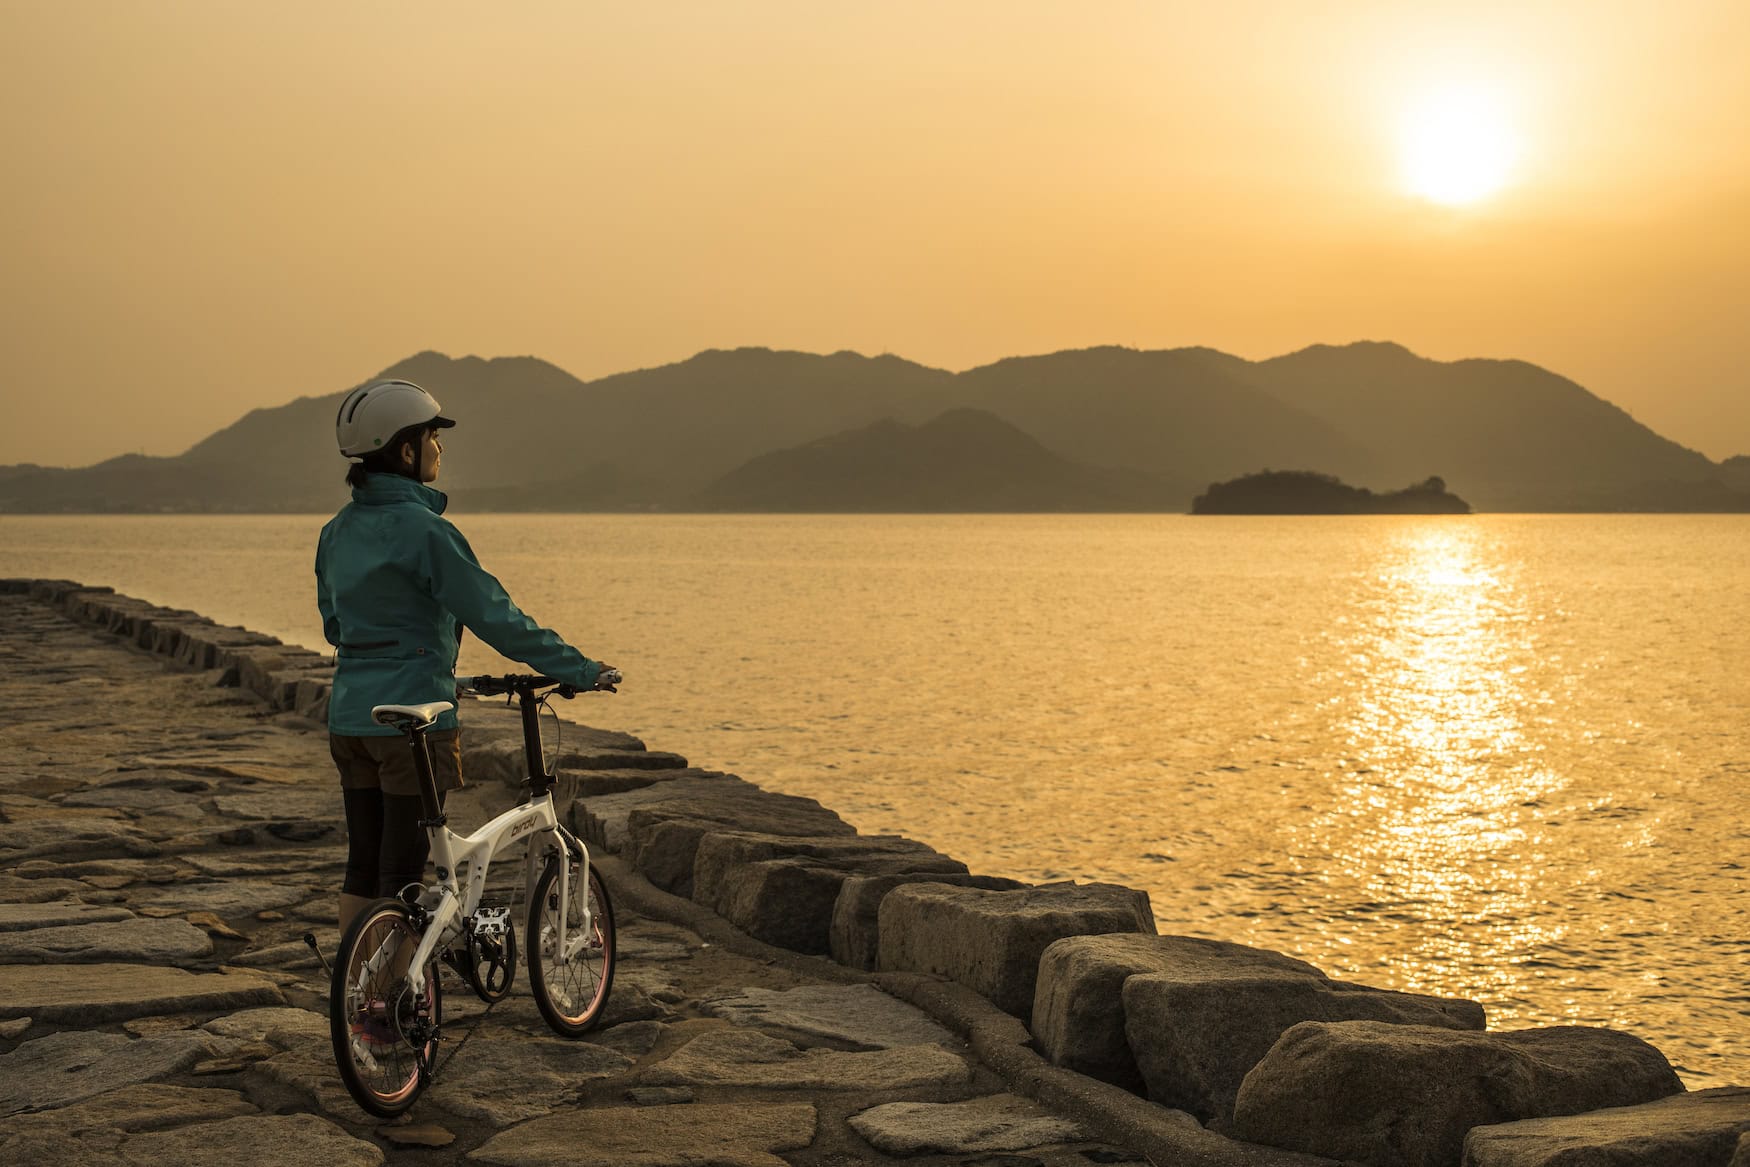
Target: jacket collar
<point>386,489</point>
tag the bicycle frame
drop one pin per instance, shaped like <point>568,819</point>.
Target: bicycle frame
<point>445,903</point>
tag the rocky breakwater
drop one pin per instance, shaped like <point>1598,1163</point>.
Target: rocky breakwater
<point>1019,1025</point>
<point>169,829</point>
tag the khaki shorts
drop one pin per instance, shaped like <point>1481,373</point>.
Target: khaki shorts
<point>386,763</point>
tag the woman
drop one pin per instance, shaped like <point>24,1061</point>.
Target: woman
<point>397,583</point>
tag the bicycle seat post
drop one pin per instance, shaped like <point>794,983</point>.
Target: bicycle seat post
<point>428,795</point>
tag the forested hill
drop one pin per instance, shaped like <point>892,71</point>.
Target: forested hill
<point>1506,434</point>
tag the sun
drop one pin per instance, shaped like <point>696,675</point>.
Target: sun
<point>1457,146</point>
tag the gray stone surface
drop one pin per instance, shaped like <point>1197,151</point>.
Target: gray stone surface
<point>1185,1018</point>
<point>91,1131</point>
<point>782,888</point>
<point>284,1140</point>
<point>91,994</point>
<point>128,1109</point>
<point>633,1038</point>
<point>738,1135</point>
<point>166,941</point>
<point>131,797</point>
<point>501,1080</point>
<point>854,936</point>
<point>306,1067</point>
<point>283,1025</point>
<point>281,802</point>
<point>230,898</point>
<point>1078,1007</point>
<point>64,839</point>
<point>991,941</point>
<point>1405,1095</point>
<point>602,819</point>
<point>739,1057</point>
<point>20,890</point>
<point>66,1067</point>
<point>276,864</point>
<point>289,954</point>
<point>861,1016</point>
<point>1195,1041</point>
<point>1741,1157</point>
<point>662,840</point>
<point>997,1122</point>
<point>56,914</point>
<point>1685,1130</point>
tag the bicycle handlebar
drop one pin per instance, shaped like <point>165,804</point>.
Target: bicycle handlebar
<point>530,683</point>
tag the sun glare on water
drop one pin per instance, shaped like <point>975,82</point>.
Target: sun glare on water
<point>1457,146</point>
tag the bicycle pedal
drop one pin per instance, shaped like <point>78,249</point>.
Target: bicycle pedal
<point>491,921</point>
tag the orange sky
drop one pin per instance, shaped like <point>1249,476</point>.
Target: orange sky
<point>215,206</point>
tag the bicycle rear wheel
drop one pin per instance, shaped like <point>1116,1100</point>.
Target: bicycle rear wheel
<point>385,1037</point>
<point>571,988</point>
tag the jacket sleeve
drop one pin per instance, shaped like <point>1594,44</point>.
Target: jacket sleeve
<point>325,604</point>
<point>458,582</point>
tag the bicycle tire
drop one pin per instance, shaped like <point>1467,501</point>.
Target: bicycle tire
<point>370,1015</point>
<point>573,994</point>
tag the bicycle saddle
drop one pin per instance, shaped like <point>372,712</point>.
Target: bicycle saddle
<point>410,716</point>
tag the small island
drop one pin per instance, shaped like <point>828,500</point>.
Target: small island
<point>1303,492</point>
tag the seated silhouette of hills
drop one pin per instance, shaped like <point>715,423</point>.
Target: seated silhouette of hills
<point>1510,435</point>
<point>1303,492</point>
<point>965,460</point>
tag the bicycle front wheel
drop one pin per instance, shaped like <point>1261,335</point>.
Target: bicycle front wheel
<point>571,985</point>
<point>385,1036</point>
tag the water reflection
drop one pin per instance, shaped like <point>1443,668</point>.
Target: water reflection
<point>1430,834</point>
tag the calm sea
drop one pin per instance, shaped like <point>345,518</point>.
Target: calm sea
<point>1503,757</point>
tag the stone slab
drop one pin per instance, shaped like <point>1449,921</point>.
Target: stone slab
<point>282,802</point>
<point>74,1065</point>
<point>64,839</point>
<point>281,1025</point>
<point>860,1016</point>
<point>56,914</point>
<point>284,1140</point>
<point>92,994</point>
<point>1701,1129</point>
<point>782,889</point>
<point>226,898</point>
<point>746,1058</point>
<point>506,1079</point>
<point>1185,1018</point>
<point>1406,1095</point>
<point>132,940</point>
<point>997,1122</point>
<point>128,1109</point>
<point>662,839</point>
<point>854,937</point>
<point>739,1135</point>
<point>602,820</point>
<point>991,941</point>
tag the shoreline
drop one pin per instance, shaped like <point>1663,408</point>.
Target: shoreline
<point>803,894</point>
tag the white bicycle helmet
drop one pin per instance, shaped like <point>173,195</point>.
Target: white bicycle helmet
<point>372,414</point>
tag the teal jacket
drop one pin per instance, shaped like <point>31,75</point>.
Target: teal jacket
<point>397,583</point>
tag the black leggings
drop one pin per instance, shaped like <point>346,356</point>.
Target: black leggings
<point>386,846</point>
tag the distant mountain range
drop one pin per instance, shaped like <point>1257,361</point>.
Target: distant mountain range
<point>1087,430</point>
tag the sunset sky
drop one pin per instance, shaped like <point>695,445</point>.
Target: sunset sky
<point>214,206</point>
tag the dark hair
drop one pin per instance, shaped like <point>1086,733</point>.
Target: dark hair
<point>388,459</point>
